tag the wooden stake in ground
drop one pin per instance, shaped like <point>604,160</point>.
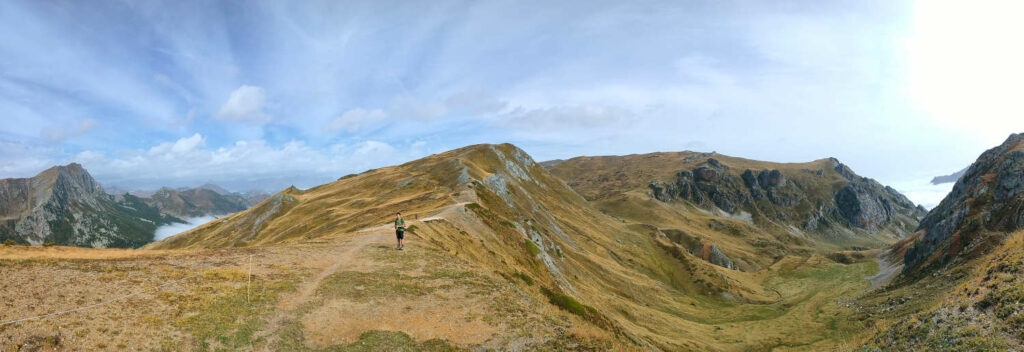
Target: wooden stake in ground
<point>249,278</point>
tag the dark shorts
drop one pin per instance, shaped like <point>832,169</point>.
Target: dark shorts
<point>400,234</point>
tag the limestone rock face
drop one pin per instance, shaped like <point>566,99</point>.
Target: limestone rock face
<point>861,207</point>
<point>989,197</point>
<point>715,256</point>
<point>65,205</point>
<point>815,205</point>
<point>700,248</point>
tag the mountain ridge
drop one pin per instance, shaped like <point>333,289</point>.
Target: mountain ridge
<point>65,205</point>
<point>809,196</point>
<point>987,198</point>
<point>961,286</point>
<point>494,207</point>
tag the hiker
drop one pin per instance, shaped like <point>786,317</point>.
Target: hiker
<point>400,230</point>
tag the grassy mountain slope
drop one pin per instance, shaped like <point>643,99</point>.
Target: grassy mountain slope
<point>492,206</point>
<point>961,287</point>
<point>754,212</point>
<point>988,199</point>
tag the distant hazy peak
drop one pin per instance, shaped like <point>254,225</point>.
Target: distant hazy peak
<point>220,190</point>
<point>953,177</point>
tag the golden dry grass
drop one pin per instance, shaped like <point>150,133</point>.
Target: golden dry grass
<point>330,278</point>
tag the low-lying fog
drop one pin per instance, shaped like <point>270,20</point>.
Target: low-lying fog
<point>923,192</point>
<point>166,231</point>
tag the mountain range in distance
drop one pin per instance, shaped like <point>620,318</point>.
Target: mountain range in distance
<point>208,199</point>
<point>64,205</point>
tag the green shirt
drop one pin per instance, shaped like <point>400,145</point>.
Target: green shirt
<point>400,223</point>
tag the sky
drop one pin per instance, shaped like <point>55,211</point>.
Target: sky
<point>250,94</point>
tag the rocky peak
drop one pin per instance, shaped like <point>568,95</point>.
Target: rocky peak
<point>842,169</point>
<point>65,205</point>
<point>768,193</point>
<point>989,197</point>
<point>215,188</point>
<point>68,183</point>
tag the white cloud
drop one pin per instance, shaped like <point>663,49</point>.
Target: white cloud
<point>702,68</point>
<point>475,102</point>
<point>166,231</point>
<point>185,145</point>
<point>963,69</point>
<point>59,134</point>
<point>244,165</point>
<point>567,119</point>
<point>181,146</point>
<point>22,159</point>
<point>408,108</point>
<point>374,147</point>
<point>356,119</point>
<point>247,103</point>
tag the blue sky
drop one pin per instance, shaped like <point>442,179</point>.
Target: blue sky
<point>267,94</point>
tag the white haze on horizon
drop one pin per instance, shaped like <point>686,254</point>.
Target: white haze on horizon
<point>166,231</point>
<point>923,192</point>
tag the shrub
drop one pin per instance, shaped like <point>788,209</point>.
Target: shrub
<point>573,306</point>
<point>528,280</point>
<point>532,248</point>
<point>49,244</point>
<point>9,242</point>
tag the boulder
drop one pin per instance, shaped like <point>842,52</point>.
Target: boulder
<point>705,174</point>
<point>842,169</point>
<point>771,178</point>
<point>861,207</point>
<point>750,181</point>
<point>663,191</point>
<point>716,257</point>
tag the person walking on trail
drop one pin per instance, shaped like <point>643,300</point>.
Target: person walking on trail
<point>400,231</point>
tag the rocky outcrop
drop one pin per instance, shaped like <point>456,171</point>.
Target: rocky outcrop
<point>861,207</point>
<point>715,256</point>
<point>66,206</point>
<point>708,185</point>
<point>698,247</point>
<point>861,203</point>
<point>989,197</point>
<point>842,169</point>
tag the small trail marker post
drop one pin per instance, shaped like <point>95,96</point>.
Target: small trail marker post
<point>249,282</point>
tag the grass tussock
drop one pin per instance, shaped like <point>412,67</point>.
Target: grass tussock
<point>532,248</point>
<point>371,340</point>
<point>526,278</point>
<point>224,313</point>
<point>363,286</point>
<point>573,306</point>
